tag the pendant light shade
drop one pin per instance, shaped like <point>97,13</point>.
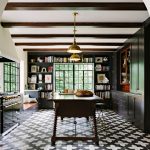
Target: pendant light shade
<point>74,48</point>
<point>75,57</point>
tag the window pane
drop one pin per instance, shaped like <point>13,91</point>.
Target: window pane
<point>11,77</point>
<point>79,78</point>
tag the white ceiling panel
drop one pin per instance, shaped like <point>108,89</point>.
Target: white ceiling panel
<point>66,16</point>
<point>76,1</point>
<point>81,30</point>
<point>34,40</point>
<point>67,46</point>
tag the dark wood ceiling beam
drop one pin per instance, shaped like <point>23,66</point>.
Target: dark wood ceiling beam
<point>70,35</point>
<point>65,50</point>
<point>68,43</point>
<point>74,6</point>
<point>66,24</point>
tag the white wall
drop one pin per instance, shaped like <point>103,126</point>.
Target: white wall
<point>8,50</point>
<point>23,68</point>
<point>147,4</point>
<point>7,47</point>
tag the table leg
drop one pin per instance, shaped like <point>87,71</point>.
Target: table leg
<point>53,139</point>
<point>95,130</point>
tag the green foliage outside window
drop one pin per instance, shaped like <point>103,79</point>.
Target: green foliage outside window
<point>74,76</point>
<point>11,77</point>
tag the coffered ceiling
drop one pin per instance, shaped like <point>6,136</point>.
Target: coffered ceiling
<point>47,25</point>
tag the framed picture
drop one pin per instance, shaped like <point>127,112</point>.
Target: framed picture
<point>33,68</point>
<point>98,59</point>
<point>100,78</point>
<point>48,78</point>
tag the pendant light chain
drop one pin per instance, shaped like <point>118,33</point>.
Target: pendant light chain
<point>74,48</point>
<point>75,13</point>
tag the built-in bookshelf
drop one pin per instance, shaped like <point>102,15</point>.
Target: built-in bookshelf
<point>41,74</point>
<point>103,77</point>
<point>40,77</point>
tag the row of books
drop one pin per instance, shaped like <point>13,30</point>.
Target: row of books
<point>103,95</point>
<point>102,87</point>
<point>65,60</point>
<point>46,95</point>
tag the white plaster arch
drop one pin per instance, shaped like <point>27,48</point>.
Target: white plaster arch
<point>2,7</point>
<point>147,4</point>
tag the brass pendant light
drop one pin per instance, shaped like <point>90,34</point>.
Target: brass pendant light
<point>75,57</point>
<point>74,48</point>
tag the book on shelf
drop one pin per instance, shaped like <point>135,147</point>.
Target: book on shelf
<point>102,87</point>
<point>46,95</point>
<point>103,94</point>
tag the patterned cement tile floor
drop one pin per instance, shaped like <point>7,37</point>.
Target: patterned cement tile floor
<point>35,134</point>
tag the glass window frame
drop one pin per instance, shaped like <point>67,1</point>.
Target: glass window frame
<point>77,67</point>
<point>11,77</point>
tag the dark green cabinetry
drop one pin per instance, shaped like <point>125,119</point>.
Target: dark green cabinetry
<point>137,63</point>
<point>130,106</point>
<point>134,66</point>
<point>141,61</point>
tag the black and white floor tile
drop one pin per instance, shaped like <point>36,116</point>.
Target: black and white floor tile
<point>35,134</point>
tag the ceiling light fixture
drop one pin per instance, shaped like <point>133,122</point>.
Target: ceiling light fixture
<point>75,57</point>
<point>74,48</point>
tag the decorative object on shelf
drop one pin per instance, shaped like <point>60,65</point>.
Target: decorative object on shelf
<point>40,78</point>
<point>33,68</point>
<point>98,67</point>
<point>105,59</point>
<point>50,68</point>
<point>48,78</point>
<point>39,59</point>
<point>98,59</point>
<point>101,78</point>
<point>33,79</point>
<point>32,86</point>
<point>32,60</point>
<point>49,86</point>
<point>124,78</point>
<point>40,88</point>
<point>43,69</point>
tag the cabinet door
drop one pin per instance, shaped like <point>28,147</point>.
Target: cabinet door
<point>141,62</point>
<point>134,66</point>
<point>122,104</point>
<point>114,101</point>
<point>139,111</point>
<point>131,108</point>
